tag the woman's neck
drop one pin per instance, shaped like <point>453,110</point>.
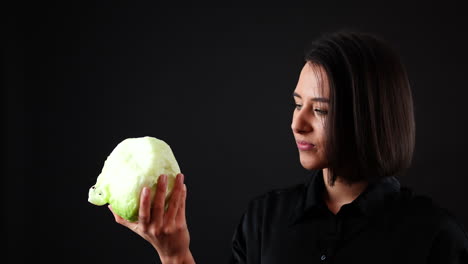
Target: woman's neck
<point>341,192</point>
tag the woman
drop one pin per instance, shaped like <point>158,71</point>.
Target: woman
<point>354,126</point>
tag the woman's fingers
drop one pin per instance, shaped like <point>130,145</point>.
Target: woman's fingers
<point>166,230</point>
<point>174,202</point>
<point>181,211</point>
<point>151,215</point>
<point>145,208</point>
<point>158,203</point>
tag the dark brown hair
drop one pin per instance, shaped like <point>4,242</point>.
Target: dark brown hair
<point>370,128</point>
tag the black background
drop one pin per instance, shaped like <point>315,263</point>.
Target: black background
<point>216,84</point>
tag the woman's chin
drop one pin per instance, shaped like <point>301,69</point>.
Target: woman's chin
<point>311,164</point>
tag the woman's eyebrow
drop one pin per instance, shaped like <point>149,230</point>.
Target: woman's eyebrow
<point>315,99</point>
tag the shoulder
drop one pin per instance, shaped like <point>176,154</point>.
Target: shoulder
<point>278,197</point>
<point>445,235</point>
<point>425,216</point>
<point>268,208</point>
<point>278,202</point>
<point>417,205</point>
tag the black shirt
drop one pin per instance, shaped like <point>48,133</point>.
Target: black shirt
<point>387,223</point>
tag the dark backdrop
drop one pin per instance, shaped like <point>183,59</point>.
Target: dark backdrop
<point>216,84</point>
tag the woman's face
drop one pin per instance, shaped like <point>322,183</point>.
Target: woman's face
<point>310,113</point>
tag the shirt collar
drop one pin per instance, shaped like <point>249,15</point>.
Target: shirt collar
<point>370,200</point>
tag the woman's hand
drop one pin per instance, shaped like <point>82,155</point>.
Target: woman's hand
<point>166,231</point>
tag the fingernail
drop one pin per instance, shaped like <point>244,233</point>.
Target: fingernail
<point>145,191</point>
<point>163,178</point>
<point>181,178</point>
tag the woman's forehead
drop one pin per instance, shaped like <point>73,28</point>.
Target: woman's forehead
<point>313,82</point>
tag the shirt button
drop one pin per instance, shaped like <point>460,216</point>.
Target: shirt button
<point>323,257</point>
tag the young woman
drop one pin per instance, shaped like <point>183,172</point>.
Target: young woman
<point>354,126</point>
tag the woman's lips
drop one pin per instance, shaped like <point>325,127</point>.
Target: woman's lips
<point>303,145</point>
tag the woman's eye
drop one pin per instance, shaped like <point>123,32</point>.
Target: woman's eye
<point>296,105</point>
<point>321,112</point>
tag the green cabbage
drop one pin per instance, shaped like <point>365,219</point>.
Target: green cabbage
<point>133,164</point>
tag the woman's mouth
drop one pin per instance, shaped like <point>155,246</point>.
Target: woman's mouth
<point>304,145</point>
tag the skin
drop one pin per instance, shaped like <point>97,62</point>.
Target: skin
<point>168,231</point>
<point>308,125</point>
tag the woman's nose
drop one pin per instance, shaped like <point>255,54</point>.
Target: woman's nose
<point>300,122</point>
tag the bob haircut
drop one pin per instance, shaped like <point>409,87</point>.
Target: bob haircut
<point>370,126</point>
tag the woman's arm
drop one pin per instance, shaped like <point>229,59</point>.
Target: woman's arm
<point>166,231</point>
<point>450,245</point>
